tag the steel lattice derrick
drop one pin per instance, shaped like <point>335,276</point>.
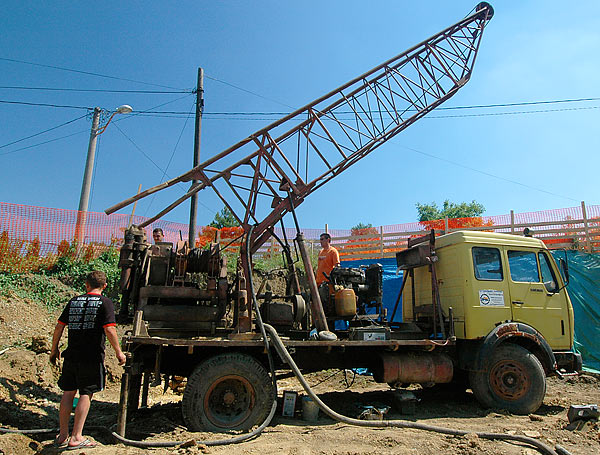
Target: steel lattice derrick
<point>261,178</point>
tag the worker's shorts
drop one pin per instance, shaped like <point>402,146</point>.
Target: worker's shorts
<point>87,377</point>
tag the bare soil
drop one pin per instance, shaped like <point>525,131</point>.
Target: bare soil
<point>29,400</point>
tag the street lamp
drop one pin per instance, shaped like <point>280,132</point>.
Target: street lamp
<point>89,166</point>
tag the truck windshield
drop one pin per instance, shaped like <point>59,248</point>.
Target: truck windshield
<point>547,273</point>
<point>523,266</point>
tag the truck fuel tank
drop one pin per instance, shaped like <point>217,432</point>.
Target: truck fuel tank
<point>414,368</point>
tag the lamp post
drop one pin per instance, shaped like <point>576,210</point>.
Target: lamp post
<point>89,167</point>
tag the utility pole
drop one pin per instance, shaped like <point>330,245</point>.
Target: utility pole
<point>89,168</point>
<point>199,110</point>
<point>87,178</point>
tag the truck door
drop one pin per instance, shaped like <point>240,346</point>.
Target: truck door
<point>535,297</point>
<point>490,298</point>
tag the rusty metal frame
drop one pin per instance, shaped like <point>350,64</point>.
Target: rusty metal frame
<point>335,131</point>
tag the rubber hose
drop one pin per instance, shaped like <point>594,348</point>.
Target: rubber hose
<point>38,431</point>
<point>285,356</point>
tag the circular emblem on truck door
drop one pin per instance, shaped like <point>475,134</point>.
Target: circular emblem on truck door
<point>484,299</point>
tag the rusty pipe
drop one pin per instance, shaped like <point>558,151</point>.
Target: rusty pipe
<point>414,368</point>
<point>316,307</point>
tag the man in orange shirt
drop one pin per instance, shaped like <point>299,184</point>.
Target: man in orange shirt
<point>328,258</point>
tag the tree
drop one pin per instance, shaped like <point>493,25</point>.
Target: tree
<point>224,218</point>
<point>360,227</point>
<point>463,215</point>
<point>364,243</point>
<point>431,212</point>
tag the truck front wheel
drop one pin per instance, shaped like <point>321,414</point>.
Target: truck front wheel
<point>515,381</point>
<point>227,392</point>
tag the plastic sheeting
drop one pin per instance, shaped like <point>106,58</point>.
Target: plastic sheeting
<point>584,290</point>
<point>391,283</point>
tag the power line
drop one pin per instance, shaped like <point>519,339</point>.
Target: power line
<point>482,106</point>
<point>249,91</point>
<point>45,142</point>
<point>540,111</point>
<point>483,172</point>
<point>524,103</point>
<point>183,114</point>
<point>153,162</point>
<point>140,150</point>
<point>171,159</point>
<point>89,73</point>
<point>248,116</point>
<point>79,132</point>
<point>100,90</point>
<point>172,155</point>
<point>26,103</point>
<point>42,132</point>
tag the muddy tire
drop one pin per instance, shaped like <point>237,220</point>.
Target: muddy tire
<point>227,392</point>
<point>515,381</point>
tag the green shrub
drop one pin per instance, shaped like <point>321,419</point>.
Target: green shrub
<point>72,271</point>
<point>35,287</point>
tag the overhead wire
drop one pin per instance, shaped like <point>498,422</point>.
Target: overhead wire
<point>139,149</point>
<point>152,112</point>
<point>43,143</point>
<point>171,159</point>
<point>42,132</point>
<point>248,91</point>
<point>83,131</point>
<point>94,90</point>
<point>27,103</point>
<point>481,106</point>
<point>89,73</point>
<point>156,165</point>
<point>430,155</point>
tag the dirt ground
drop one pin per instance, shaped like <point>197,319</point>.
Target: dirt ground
<point>29,400</point>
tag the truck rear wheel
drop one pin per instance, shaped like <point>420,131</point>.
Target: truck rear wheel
<point>515,381</point>
<point>227,392</point>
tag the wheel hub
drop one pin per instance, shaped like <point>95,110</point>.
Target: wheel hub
<point>509,380</point>
<point>228,398</point>
<point>229,401</point>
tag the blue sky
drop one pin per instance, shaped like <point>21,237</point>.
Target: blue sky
<point>285,54</point>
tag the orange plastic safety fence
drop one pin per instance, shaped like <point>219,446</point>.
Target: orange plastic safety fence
<point>33,238</point>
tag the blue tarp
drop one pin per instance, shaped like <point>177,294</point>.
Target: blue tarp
<point>391,283</point>
<point>584,290</point>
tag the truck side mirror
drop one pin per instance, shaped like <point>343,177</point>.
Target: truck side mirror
<point>565,269</point>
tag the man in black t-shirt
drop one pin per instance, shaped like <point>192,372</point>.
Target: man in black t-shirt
<point>90,319</point>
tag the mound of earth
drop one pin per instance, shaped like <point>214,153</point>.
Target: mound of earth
<point>29,400</point>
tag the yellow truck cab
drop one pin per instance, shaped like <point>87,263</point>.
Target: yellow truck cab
<point>509,309</point>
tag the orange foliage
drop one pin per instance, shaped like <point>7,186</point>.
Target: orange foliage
<point>456,223</point>
<point>208,234</point>
<point>361,243</point>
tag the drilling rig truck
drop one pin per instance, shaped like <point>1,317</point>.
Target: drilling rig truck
<point>481,310</point>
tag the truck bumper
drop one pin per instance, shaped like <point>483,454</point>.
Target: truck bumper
<point>568,362</point>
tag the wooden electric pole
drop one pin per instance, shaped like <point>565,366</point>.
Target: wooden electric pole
<point>199,110</point>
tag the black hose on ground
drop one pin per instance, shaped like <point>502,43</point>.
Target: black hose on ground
<point>155,444</point>
<point>285,356</point>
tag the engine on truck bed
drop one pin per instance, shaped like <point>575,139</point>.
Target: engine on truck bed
<point>352,291</point>
<point>184,291</point>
